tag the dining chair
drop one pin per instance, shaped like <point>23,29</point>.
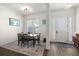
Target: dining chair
<point>38,38</point>
<point>19,38</point>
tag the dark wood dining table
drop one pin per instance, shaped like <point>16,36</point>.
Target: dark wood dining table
<point>31,37</point>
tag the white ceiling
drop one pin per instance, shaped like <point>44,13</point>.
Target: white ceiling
<point>57,6</point>
<point>36,7</point>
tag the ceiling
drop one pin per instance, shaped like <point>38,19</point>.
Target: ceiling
<point>36,7</point>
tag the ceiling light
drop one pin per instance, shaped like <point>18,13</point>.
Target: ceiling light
<point>26,9</point>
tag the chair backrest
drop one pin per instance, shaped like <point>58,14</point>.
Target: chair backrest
<point>38,36</point>
<point>20,36</point>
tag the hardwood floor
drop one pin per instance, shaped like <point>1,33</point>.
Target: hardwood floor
<point>57,49</point>
<point>6,52</point>
<point>63,49</point>
<point>45,52</point>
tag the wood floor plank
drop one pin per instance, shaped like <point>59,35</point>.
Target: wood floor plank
<point>61,49</point>
<point>57,49</point>
<point>6,52</point>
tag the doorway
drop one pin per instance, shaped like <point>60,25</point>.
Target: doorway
<point>61,27</point>
<point>33,26</point>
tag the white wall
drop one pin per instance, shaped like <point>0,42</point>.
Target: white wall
<point>77,20</point>
<point>8,33</point>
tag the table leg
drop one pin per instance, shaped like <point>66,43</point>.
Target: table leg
<point>33,43</point>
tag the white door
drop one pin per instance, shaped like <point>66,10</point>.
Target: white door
<point>61,29</point>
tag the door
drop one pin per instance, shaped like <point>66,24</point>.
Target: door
<point>61,29</point>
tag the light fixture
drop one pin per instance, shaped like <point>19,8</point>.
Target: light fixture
<point>26,9</point>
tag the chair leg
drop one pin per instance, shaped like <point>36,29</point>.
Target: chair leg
<point>27,43</point>
<point>34,43</point>
<point>38,43</point>
<point>22,44</point>
<point>18,42</point>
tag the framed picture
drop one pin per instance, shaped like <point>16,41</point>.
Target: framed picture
<point>14,22</point>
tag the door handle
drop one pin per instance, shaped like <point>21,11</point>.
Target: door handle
<point>56,32</point>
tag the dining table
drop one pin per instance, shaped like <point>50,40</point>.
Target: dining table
<point>32,37</point>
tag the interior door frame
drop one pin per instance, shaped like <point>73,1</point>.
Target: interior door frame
<point>73,29</point>
<point>66,29</point>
